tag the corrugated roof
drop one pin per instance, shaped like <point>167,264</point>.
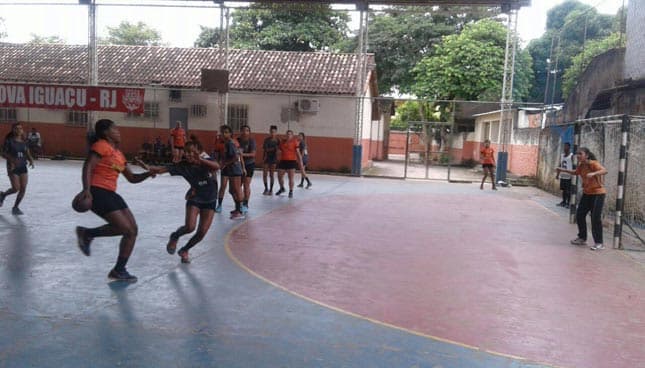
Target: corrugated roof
<point>269,71</point>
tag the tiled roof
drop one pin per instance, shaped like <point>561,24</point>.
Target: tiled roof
<point>270,71</point>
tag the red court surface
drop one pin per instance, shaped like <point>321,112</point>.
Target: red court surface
<point>485,270</point>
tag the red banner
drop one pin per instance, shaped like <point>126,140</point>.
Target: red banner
<point>79,98</point>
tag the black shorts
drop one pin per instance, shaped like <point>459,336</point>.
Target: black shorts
<point>288,165</point>
<point>17,171</point>
<point>490,166</point>
<point>305,160</point>
<point>105,201</point>
<point>202,206</point>
<point>250,169</point>
<point>271,160</point>
<point>565,184</point>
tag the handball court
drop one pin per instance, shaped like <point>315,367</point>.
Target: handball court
<point>355,272</point>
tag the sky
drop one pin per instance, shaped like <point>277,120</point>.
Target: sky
<point>180,27</point>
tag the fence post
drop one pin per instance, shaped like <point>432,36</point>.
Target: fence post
<point>407,150</point>
<point>573,200</point>
<point>622,176</point>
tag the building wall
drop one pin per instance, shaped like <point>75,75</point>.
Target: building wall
<point>329,132</point>
<point>635,53</point>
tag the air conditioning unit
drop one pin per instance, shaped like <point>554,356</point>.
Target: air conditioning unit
<point>308,105</point>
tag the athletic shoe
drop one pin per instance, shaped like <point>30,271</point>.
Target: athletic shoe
<point>184,256</point>
<point>561,204</point>
<point>290,194</point>
<point>300,185</point>
<point>218,209</point>
<point>266,192</point>
<point>579,241</point>
<point>82,241</point>
<point>309,185</point>
<point>16,211</point>
<point>122,276</point>
<point>279,191</point>
<point>245,209</point>
<point>598,247</point>
<point>237,216</point>
<point>172,244</point>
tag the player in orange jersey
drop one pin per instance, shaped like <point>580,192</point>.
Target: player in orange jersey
<point>487,155</point>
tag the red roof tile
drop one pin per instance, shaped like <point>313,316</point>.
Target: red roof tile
<point>270,71</point>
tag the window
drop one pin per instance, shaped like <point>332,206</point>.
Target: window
<point>151,109</point>
<point>198,110</point>
<point>8,115</point>
<point>174,95</point>
<point>238,115</point>
<point>77,118</point>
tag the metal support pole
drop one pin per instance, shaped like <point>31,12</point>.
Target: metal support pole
<point>506,117</point>
<point>428,148</point>
<point>357,149</point>
<point>622,176</point>
<point>573,200</point>
<point>92,58</point>
<point>407,152</point>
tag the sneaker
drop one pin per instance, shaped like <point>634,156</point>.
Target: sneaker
<point>16,211</point>
<point>279,191</point>
<point>579,241</point>
<point>300,185</point>
<point>309,185</point>
<point>245,209</point>
<point>290,194</point>
<point>598,247</point>
<point>561,204</point>
<point>184,256</point>
<point>218,209</point>
<point>122,276</point>
<point>266,192</point>
<point>83,241</point>
<point>237,215</point>
<point>172,244</point>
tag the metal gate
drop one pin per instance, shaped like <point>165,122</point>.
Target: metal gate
<point>427,155</point>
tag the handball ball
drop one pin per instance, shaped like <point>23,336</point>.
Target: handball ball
<point>81,204</point>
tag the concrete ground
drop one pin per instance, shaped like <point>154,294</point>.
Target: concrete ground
<point>355,272</point>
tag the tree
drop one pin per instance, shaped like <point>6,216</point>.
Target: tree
<point>133,34</point>
<point>401,37</point>
<point>209,37</point>
<point>569,26</point>
<point>36,39</point>
<point>581,61</point>
<point>291,27</point>
<point>470,66</point>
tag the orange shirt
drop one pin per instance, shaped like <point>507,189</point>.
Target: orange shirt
<point>178,137</point>
<point>112,163</point>
<point>591,185</point>
<point>487,156</point>
<point>288,149</point>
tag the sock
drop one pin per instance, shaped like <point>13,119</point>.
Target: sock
<point>219,201</point>
<point>308,181</point>
<point>245,202</point>
<point>120,263</point>
<point>238,206</point>
<point>302,180</point>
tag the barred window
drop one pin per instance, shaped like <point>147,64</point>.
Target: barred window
<point>8,115</point>
<point>238,115</point>
<point>77,118</point>
<point>151,109</point>
<point>198,110</point>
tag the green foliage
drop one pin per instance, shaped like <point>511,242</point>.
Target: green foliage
<point>290,27</point>
<point>36,39</point>
<point>417,111</point>
<point>133,34</point>
<point>470,66</point>
<point>401,37</point>
<point>569,26</point>
<point>209,37</point>
<point>581,61</point>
